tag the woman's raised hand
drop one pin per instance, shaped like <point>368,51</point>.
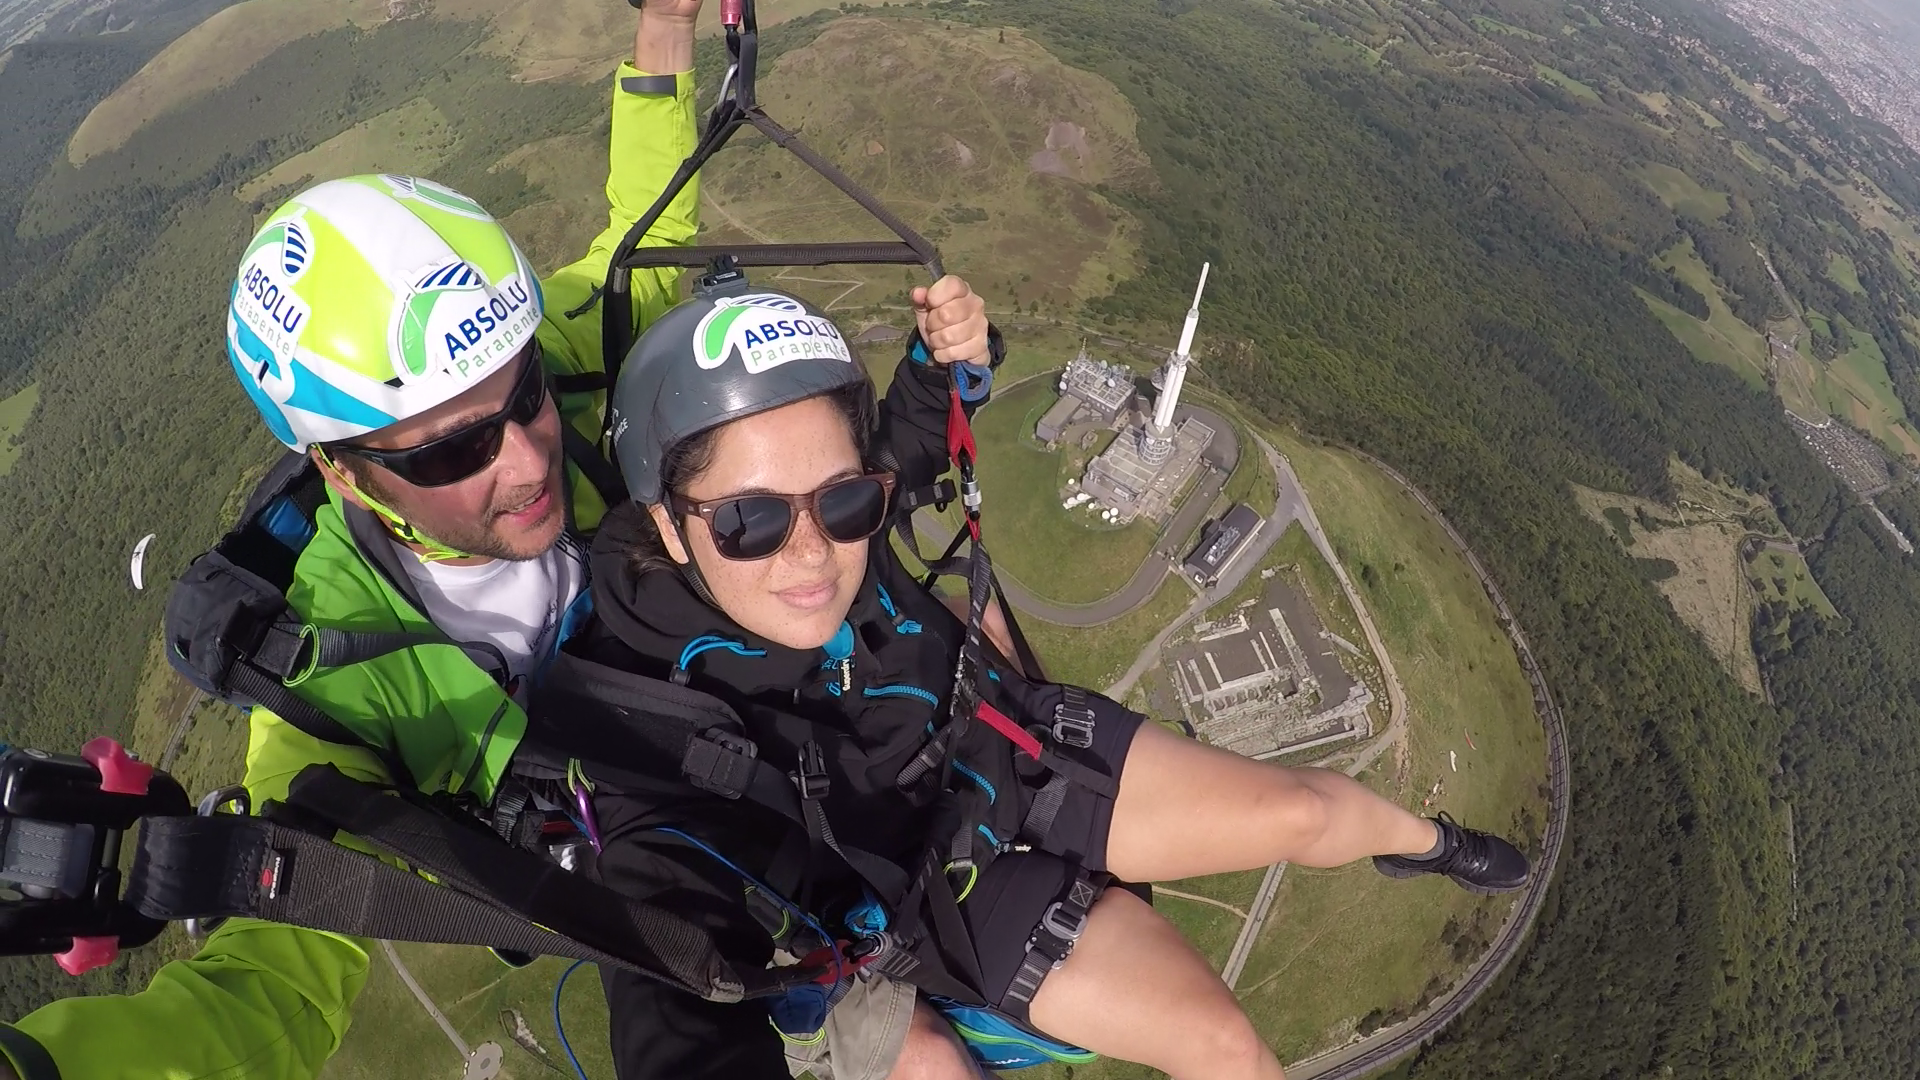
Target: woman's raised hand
<point>952,321</point>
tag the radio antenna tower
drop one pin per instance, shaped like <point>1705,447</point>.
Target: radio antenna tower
<point>1156,438</point>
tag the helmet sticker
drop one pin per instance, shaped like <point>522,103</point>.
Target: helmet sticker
<point>766,330</point>
<point>454,321</point>
<point>264,298</point>
<point>444,198</point>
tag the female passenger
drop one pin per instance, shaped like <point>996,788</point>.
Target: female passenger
<point>751,567</point>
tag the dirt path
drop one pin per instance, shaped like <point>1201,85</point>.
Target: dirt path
<point>1162,890</point>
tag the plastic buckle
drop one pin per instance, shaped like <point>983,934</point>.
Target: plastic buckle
<point>1072,727</point>
<point>720,762</point>
<point>812,779</point>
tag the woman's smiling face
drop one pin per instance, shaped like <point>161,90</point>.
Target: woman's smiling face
<point>799,596</point>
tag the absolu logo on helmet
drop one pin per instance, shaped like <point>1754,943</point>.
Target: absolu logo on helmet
<point>266,302</point>
<point>453,320</point>
<point>767,330</point>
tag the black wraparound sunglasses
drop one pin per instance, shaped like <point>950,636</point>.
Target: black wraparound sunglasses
<point>455,456</point>
<point>750,527</point>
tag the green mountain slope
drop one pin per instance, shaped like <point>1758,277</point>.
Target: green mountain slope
<point>1420,249</point>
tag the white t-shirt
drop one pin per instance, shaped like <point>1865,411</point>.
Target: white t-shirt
<point>515,606</point>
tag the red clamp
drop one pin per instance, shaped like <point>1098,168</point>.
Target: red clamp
<point>119,773</point>
<point>88,953</point>
<point>833,962</point>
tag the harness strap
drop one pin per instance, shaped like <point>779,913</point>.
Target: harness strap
<point>1045,807</point>
<point>604,475</point>
<point>247,681</point>
<point>1014,733</point>
<point>491,894</point>
<point>1052,942</point>
<point>580,382</point>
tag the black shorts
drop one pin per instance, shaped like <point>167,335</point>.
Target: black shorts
<point>1079,829</point>
<point>1015,890</point>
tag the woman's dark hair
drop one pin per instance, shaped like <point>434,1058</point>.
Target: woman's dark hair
<point>690,457</point>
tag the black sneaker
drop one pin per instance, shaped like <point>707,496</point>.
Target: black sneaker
<point>1477,862</point>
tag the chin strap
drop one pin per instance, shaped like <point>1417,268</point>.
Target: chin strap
<point>434,551</point>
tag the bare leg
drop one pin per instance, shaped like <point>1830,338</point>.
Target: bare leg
<point>1187,809</point>
<point>1134,989</point>
<point>932,1051</point>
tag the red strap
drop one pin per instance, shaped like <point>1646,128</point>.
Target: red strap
<point>1016,734</point>
<point>959,432</point>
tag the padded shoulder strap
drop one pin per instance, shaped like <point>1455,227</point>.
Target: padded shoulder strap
<point>488,893</point>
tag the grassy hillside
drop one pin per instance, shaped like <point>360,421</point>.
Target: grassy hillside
<point>15,411</point>
<point>1011,161</point>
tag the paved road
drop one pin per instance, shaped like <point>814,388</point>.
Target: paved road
<point>1287,509</point>
<point>406,976</point>
<point>1290,504</point>
<point>1250,930</point>
<point>180,728</point>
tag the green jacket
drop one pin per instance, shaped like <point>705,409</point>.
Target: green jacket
<point>270,1002</point>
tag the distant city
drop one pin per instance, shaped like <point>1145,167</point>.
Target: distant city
<point>1865,48</point>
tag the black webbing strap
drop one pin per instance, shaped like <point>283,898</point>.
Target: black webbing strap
<point>288,648</point>
<point>579,382</point>
<point>247,681</point>
<point>604,475</point>
<point>1044,809</point>
<point>1052,941</point>
<point>285,875</point>
<point>855,253</point>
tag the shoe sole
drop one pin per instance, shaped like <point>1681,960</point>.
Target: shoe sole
<point>1402,873</point>
<point>1489,890</point>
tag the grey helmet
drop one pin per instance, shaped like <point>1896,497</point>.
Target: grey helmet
<point>729,352</point>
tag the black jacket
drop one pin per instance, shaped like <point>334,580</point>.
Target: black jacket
<point>664,843</point>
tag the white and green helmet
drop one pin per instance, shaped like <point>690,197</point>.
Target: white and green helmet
<point>367,300</point>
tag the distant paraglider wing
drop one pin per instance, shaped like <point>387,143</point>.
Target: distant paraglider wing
<point>139,559</point>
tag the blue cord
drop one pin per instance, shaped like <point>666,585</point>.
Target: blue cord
<point>559,1028</point>
<point>838,969</point>
<point>711,641</point>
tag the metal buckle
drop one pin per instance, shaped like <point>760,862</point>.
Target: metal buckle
<point>1056,922</point>
<point>720,762</point>
<point>1072,727</point>
<point>812,779</point>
